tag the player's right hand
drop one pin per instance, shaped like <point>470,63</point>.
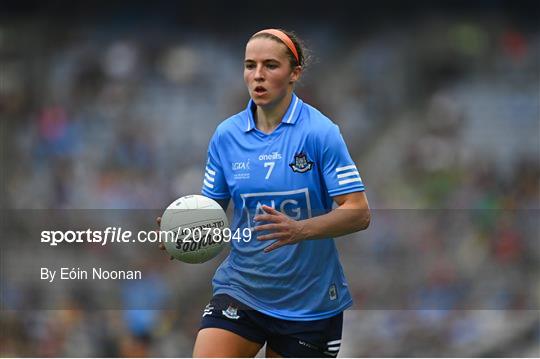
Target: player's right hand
<point>161,245</point>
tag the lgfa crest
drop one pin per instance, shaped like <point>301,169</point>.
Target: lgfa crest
<point>301,163</point>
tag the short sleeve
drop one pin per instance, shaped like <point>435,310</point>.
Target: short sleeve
<point>214,183</point>
<point>340,173</point>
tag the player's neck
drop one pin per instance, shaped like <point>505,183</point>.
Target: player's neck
<point>269,117</point>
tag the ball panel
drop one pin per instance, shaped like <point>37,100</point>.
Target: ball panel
<point>201,217</point>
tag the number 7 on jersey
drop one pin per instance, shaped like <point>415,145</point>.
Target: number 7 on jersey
<point>271,165</point>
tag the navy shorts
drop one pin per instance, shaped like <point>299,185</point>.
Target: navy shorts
<point>288,338</point>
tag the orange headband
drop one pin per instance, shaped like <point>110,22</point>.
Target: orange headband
<point>284,38</point>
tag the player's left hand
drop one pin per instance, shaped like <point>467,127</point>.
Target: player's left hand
<point>284,229</point>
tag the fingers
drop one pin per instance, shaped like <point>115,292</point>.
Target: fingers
<point>267,227</point>
<point>269,209</point>
<point>271,215</point>
<point>161,245</point>
<point>158,221</point>
<point>274,246</point>
<point>276,235</point>
<point>267,218</point>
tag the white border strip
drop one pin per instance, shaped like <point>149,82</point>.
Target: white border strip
<point>292,111</point>
<point>348,174</point>
<point>350,180</point>
<point>350,167</point>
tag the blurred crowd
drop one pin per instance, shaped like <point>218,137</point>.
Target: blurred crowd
<point>441,116</point>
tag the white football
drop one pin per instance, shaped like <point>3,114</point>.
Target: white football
<point>194,225</point>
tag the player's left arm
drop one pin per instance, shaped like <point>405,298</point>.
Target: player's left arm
<point>351,215</point>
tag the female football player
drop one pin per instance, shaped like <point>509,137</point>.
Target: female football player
<point>283,164</point>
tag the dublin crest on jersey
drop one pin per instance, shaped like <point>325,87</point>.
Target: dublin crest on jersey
<point>301,163</point>
<point>231,312</point>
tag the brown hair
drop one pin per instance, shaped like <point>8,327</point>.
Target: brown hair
<point>303,52</point>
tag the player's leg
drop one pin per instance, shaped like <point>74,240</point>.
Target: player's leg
<point>228,329</point>
<point>217,342</point>
<point>305,339</point>
<point>271,354</point>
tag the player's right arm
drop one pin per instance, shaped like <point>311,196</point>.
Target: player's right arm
<point>214,182</point>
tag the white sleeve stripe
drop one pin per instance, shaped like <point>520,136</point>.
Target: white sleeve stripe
<point>292,111</point>
<point>213,173</point>
<point>211,179</point>
<point>348,174</point>
<point>334,342</point>
<point>208,184</point>
<point>350,180</point>
<point>350,167</point>
<point>333,349</point>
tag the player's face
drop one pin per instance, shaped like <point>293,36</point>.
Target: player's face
<point>267,71</point>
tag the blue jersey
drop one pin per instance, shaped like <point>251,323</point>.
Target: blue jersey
<point>296,169</point>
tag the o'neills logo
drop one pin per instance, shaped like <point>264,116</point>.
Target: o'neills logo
<point>270,157</point>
